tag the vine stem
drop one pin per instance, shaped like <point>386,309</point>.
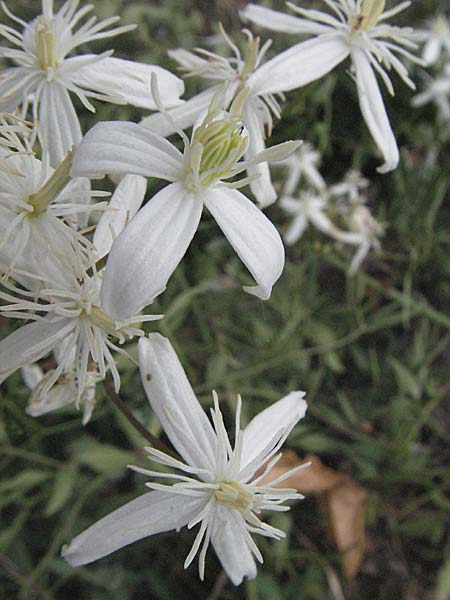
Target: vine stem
<point>119,403</point>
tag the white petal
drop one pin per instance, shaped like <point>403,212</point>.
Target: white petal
<point>187,59</point>
<point>373,110</point>
<point>59,127</point>
<point>149,514</point>
<point>125,202</point>
<point>147,252</point>
<point>32,375</point>
<point>296,229</point>
<point>30,343</point>
<point>252,235</point>
<point>301,64</point>
<point>171,397</point>
<point>129,81</point>
<point>280,416</point>
<point>229,543</point>
<point>181,117</point>
<point>115,147</point>
<point>12,88</point>
<point>279,21</point>
<point>261,187</point>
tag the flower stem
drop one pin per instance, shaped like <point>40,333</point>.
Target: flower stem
<point>154,441</point>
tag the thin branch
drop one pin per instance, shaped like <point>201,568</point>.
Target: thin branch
<point>154,441</point>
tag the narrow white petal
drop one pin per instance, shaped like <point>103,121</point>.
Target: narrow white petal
<point>301,64</point>
<point>12,88</point>
<point>182,117</point>
<point>129,81</point>
<point>115,147</point>
<point>125,203</point>
<point>280,416</point>
<point>252,235</point>
<point>296,229</point>
<point>147,252</point>
<point>149,514</point>
<point>373,110</point>
<point>59,127</point>
<point>279,21</point>
<point>228,540</point>
<point>30,343</point>
<point>171,397</point>
<point>261,187</point>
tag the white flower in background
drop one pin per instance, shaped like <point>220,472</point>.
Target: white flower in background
<point>437,91</point>
<point>307,208</point>
<point>67,308</point>
<point>217,489</point>
<point>258,110</point>
<point>436,38</point>
<point>358,30</point>
<point>145,255</point>
<point>45,73</point>
<point>351,187</point>
<point>364,233</point>
<point>15,137</point>
<point>63,392</point>
<point>302,165</point>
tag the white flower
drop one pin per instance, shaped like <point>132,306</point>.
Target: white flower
<point>144,256</point>
<point>217,487</point>
<point>63,392</point>
<point>437,39</point>
<point>45,71</point>
<point>257,110</point>
<point>66,307</point>
<point>437,91</point>
<point>303,164</point>
<point>356,29</point>
<point>364,233</point>
<point>351,187</point>
<point>37,205</point>
<point>307,208</point>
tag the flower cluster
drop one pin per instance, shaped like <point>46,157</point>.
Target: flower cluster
<point>82,272</point>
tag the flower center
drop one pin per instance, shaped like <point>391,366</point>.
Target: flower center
<point>46,46</point>
<point>217,145</point>
<point>40,200</point>
<point>234,495</point>
<point>369,14</point>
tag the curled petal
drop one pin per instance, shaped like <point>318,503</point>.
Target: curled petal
<point>125,203</point>
<point>147,252</point>
<point>252,235</point>
<point>373,110</point>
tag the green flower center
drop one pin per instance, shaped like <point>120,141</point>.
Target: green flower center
<point>234,495</point>
<point>46,46</point>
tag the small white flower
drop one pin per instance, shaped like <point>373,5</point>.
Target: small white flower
<point>364,233</point>
<point>436,38</point>
<point>307,208</point>
<point>217,488</point>
<point>350,188</point>
<point>65,306</point>
<point>45,72</point>
<point>357,29</point>
<point>258,110</point>
<point>145,255</point>
<point>437,91</point>
<point>302,165</point>
<point>63,392</point>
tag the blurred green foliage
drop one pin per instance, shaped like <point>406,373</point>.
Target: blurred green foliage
<point>371,351</point>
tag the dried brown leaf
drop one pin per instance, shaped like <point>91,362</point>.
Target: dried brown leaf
<point>342,500</point>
